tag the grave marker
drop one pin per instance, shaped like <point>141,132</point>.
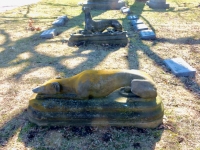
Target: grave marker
<point>147,35</point>
<point>135,22</point>
<point>179,67</point>
<point>132,17</point>
<point>125,10</point>
<point>157,4</point>
<point>139,27</point>
<point>60,21</point>
<point>48,34</point>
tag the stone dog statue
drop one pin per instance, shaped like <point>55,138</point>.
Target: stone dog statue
<point>100,83</point>
<point>92,26</point>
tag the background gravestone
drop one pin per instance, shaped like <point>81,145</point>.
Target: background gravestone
<point>104,4</point>
<point>157,4</point>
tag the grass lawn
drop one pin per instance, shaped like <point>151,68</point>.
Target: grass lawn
<point>26,61</point>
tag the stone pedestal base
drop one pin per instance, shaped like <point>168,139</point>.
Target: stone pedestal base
<point>156,4</point>
<point>115,38</point>
<point>113,110</point>
<point>104,5</point>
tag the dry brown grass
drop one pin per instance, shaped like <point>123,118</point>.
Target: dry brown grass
<point>27,61</point>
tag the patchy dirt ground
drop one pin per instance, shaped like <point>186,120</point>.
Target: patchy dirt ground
<point>26,61</point>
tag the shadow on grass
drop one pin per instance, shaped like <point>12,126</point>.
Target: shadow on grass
<point>44,60</point>
<point>137,9</point>
<point>73,137</point>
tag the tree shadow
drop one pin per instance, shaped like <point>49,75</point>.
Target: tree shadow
<point>137,9</point>
<point>35,40</point>
<point>55,137</point>
<point>17,122</point>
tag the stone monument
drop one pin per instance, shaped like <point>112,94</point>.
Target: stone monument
<point>104,4</point>
<point>157,4</point>
<point>94,31</point>
<point>98,97</point>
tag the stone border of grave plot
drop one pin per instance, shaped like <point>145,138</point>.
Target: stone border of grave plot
<point>144,32</point>
<point>50,33</point>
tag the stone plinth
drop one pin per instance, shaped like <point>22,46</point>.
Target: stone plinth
<point>157,4</point>
<point>104,4</point>
<point>113,110</point>
<point>113,38</point>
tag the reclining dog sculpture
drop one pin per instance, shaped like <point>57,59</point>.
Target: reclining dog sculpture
<point>92,26</point>
<point>100,83</point>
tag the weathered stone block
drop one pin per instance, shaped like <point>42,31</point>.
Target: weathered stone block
<point>60,21</point>
<point>64,18</point>
<point>179,67</point>
<point>157,4</point>
<point>132,17</point>
<point>125,10</point>
<point>139,27</point>
<point>135,22</point>
<point>48,34</point>
<point>147,35</point>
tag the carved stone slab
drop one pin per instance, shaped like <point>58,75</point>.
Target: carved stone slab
<point>48,34</point>
<point>147,35</point>
<point>125,10</point>
<point>114,109</point>
<point>60,21</point>
<point>179,67</point>
<point>157,4</point>
<point>135,22</point>
<point>139,27</point>
<point>132,17</point>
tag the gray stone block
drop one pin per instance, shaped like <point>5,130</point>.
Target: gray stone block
<point>179,67</point>
<point>125,10</point>
<point>147,35</point>
<point>132,17</point>
<point>60,21</point>
<point>157,4</point>
<point>48,34</point>
<point>135,22</point>
<point>64,18</point>
<point>139,27</point>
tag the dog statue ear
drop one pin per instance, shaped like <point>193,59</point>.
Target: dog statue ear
<point>56,85</point>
